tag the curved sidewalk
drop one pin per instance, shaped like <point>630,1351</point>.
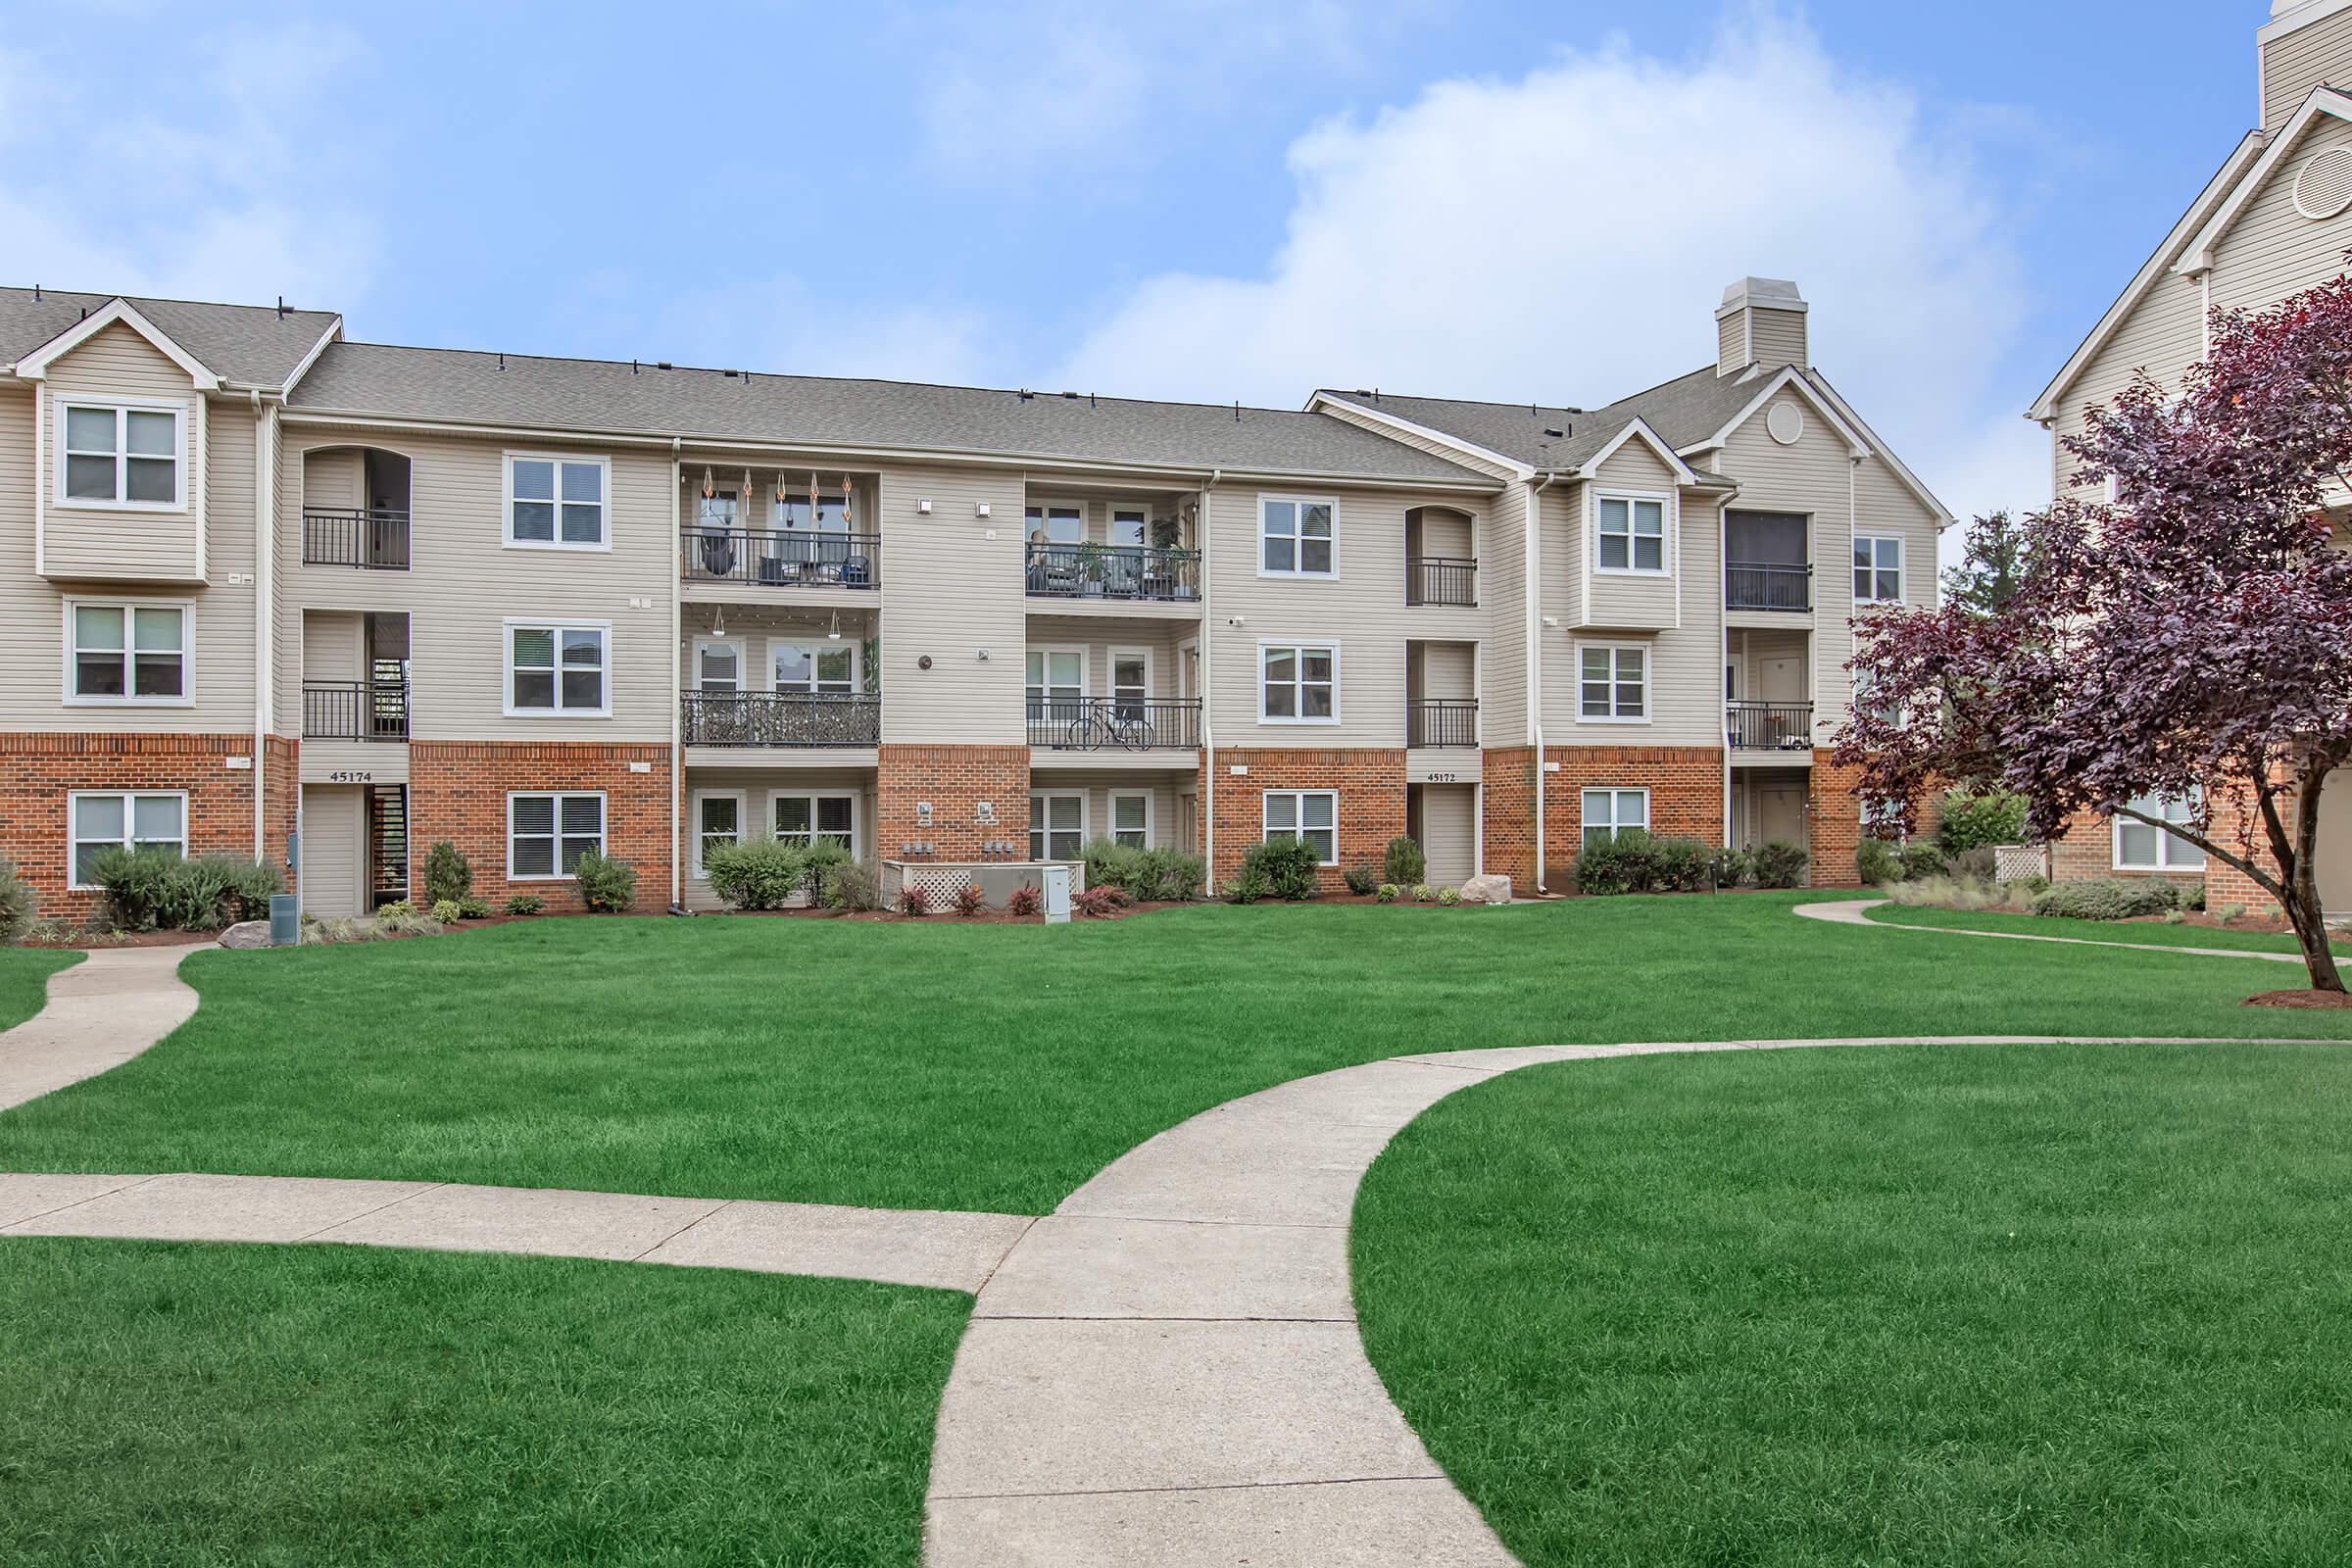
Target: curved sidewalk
<point>100,1013</point>
<point>1857,912</point>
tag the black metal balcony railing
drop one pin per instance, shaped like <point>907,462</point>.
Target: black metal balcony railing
<point>1768,726</point>
<point>1767,585</point>
<point>780,559</point>
<point>1441,580</point>
<point>779,718</point>
<point>1442,721</point>
<point>373,537</point>
<point>1115,723</point>
<point>355,710</point>
<point>1113,572</point>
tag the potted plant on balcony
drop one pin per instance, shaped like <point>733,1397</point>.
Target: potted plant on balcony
<point>1163,578</point>
<point>1094,560</point>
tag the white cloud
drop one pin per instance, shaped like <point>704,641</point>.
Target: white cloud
<point>1566,235</point>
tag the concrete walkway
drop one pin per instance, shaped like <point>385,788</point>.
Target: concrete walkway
<point>1857,912</point>
<point>101,1012</point>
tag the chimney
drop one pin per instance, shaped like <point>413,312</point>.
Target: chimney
<point>2307,43</point>
<point>1761,321</point>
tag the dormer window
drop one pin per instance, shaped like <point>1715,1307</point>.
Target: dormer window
<point>1632,534</point>
<point>121,454</point>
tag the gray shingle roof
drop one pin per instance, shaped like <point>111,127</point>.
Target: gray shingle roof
<point>459,385</point>
<point>249,344</point>
<point>1683,411</point>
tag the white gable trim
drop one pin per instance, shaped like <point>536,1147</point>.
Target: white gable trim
<point>1895,465</point>
<point>2045,407</point>
<point>1789,380</point>
<point>2323,101</point>
<point>1639,429</point>
<point>2301,17</point>
<point>333,333</point>
<point>1318,403</point>
<point>34,367</point>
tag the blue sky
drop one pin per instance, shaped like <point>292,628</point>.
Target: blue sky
<point>1209,199</point>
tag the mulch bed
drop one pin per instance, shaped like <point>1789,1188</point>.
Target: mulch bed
<point>2299,999</point>
<point>127,939</point>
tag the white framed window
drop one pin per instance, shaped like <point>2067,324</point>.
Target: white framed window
<point>548,831</point>
<point>558,502</point>
<point>1299,683</point>
<point>717,509</point>
<point>1629,534</point>
<point>123,819</point>
<point>719,665</point>
<point>1056,825</point>
<point>1131,817</point>
<point>1612,683</point>
<point>131,456</point>
<point>559,669</point>
<point>2140,847</point>
<point>1056,674</point>
<point>1298,536</point>
<point>1130,525</point>
<point>1609,813</point>
<point>1311,817</point>
<point>130,653</point>
<point>1056,522</point>
<point>811,820</point>
<point>1130,680</point>
<point>815,669</point>
<point>718,823</point>
<point>1878,569</point>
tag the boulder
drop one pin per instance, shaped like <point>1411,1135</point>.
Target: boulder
<point>1487,890</point>
<point>246,934</point>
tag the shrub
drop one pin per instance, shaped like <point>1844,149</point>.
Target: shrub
<point>2175,916</point>
<point>1362,880</point>
<point>1101,902</point>
<point>1734,867</point>
<point>606,884</point>
<point>448,910</point>
<point>1977,864</point>
<point>473,906</point>
<point>1780,864</point>
<point>16,902</point>
<point>817,863</point>
<point>131,885</point>
<point>1387,892</point>
<point>1423,893</point>
<point>407,923</point>
<point>150,889</point>
<point>2106,899</point>
<point>1142,874</point>
<point>1879,864</point>
<point>1622,863</point>
<point>1680,864</point>
<point>914,898</point>
<point>1923,861</point>
<point>396,907</point>
<point>969,899</point>
<point>1249,885</point>
<point>1404,864</point>
<point>526,903</point>
<point>251,885</point>
<point>849,886</point>
<point>2228,912</point>
<point>1171,876</point>
<point>756,874</point>
<point>1449,897</point>
<point>447,875</point>
<point>1288,865</point>
<point>1025,900</point>
<point>1974,820</point>
<point>2192,897</point>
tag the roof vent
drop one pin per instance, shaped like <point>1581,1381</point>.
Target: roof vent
<point>1556,435</point>
<point>2323,188</point>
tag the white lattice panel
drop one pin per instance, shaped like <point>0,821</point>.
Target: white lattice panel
<point>941,882</point>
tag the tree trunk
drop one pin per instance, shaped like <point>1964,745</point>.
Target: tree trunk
<point>2302,881</point>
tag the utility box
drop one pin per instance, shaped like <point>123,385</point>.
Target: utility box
<point>1057,895</point>
<point>285,919</point>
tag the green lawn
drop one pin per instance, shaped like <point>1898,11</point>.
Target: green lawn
<point>176,1405</point>
<point>991,1067</point>
<point>2153,933</point>
<point>24,980</point>
<point>1969,1305</point>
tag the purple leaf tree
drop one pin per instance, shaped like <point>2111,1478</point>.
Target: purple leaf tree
<point>2187,640</point>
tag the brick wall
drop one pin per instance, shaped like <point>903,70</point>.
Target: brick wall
<point>1833,826</point>
<point>1685,795</point>
<point>1371,808</point>
<point>2087,852</point>
<point>1509,823</point>
<point>37,771</point>
<point>282,791</point>
<point>954,779</point>
<point>457,791</point>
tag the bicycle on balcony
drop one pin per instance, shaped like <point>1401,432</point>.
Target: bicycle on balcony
<point>1100,728</point>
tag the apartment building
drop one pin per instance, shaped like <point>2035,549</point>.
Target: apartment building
<point>2276,220</point>
<point>324,602</point>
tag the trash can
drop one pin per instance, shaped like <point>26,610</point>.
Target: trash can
<point>285,919</point>
<point>1057,895</point>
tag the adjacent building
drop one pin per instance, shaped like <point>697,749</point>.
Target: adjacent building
<point>323,602</point>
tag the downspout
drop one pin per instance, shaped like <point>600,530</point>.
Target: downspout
<point>1534,649</point>
<point>677,754</point>
<point>264,616</point>
<point>1201,677</point>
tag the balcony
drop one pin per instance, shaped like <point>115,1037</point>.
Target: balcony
<point>355,710</point>
<point>373,538</point>
<point>1441,580</point>
<point>771,557</point>
<point>1442,721</point>
<point>1115,723</point>
<point>1768,726</point>
<point>1768,585</point>
<point>1125,572</point>
<point>779,718</point>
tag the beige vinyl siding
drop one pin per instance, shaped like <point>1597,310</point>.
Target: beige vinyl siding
<point>1450,832</point>
<point>331,478</point>
<point>333,645</point>
<point>1731,343</point>
<point>1632,601</point>
<point>2164,334</point>
<point>1448,533</point>
<point>1098,788</point>
<point>333,824</point>
<point>1683,678</point>
<point>463,584</point>
<point>1159,642</point>
<point>1443,671</point>
<point>1749,650</point>
<point>1778,337</point>
<point>1504,715</point>
<point>2272,250</point>
<point>2302,59</point>
<point>128,545</point>
<point>949,591</point>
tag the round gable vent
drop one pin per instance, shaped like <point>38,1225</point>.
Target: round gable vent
<point>2324,186</point>
<point>1786,423</point>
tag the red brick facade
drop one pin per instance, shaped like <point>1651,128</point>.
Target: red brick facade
<point>457,791</point>
<point>1370,781</point>
<point>954,780</point>
<point>37,772</point>
<point>2087,852</point>
<point>1834,812</point>
<point>281,792</point>
<point>1508,820</point>
<point>1685,795</point>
